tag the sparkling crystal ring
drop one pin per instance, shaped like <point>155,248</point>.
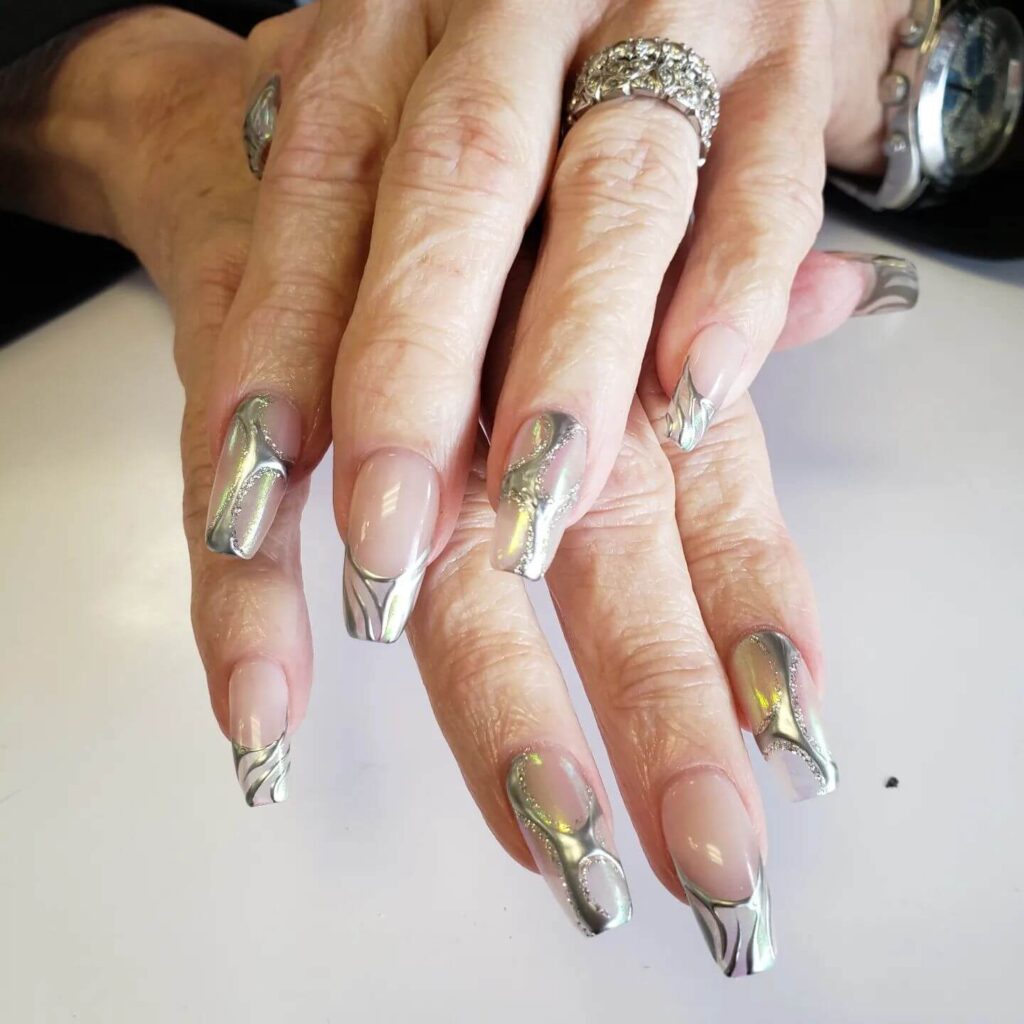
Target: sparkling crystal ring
<point>260,121</point>
<point>653,68</point>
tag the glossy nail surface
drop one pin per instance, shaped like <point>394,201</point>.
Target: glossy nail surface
<point>712,368</point>
<point>563,824</point>
<point>258,715</point>
<point>776,692</point>
<point>539,490</point>
<point>252,474</point>
<point>391,526</point>
<point>715,852</point>
<point>891,284</point>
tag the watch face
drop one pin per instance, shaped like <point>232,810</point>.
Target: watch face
<point>984,89</point>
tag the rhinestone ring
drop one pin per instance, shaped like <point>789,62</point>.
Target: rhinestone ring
<point>654,68</point>
<point>260,121</point>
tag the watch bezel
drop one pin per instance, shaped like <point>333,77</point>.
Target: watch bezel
<point>936,163</point>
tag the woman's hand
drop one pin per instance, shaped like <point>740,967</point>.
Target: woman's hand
<point>679,585</point>
<point>437,123</point>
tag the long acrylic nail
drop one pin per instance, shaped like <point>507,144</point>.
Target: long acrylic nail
<point>776,692</point>
<point>258,716</point>
<point>715,852</point>
<point>712,368</point>
<point>391,525</point>
<point>891,284</point>
<point>563,824</point>
<point>252,474</point>
<point>539,490</point>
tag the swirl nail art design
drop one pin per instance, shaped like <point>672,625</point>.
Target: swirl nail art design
<point>689,414</point>
<point>251,477</point>
<point>777,693</point>
<point>377,607</point>
<point>263,772</point>
<point>738,932</point>
<point>538,491</point>
<point>260,124</point>
<point>892,283</point>
<point>562,822</point>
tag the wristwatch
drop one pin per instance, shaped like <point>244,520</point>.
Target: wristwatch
<point>953,98</point>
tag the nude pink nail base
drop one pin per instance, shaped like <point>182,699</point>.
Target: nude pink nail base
<point>715,852</point>
<point>258,718</point>
<point>392,517</point>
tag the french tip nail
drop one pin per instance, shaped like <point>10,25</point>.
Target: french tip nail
<point>717,858</point>
<point>263,772</point>
<point>714,363</point>
<point>891,284</point>
<point>689,414</point>
<point>774,687</point>
<point>738,932</point>
<point>377,608</point>
<point>563,824</point>
<point>539,490</point>
<point>252,474</point>
<point>258,716</point>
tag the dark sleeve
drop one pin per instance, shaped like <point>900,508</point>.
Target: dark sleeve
<point>54,269</point>
<point>27,24</point>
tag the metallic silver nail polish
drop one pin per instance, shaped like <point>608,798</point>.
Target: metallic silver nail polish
<point>738,932</point>
<point>251,477</point>
<point>260,124</point>
<point>562,822</point>
<point>689,414</point>
<point>538,491</point>
<point>263,772</point>
<point>775,690</point>
<point>892,283</point>
<point>377,607</point>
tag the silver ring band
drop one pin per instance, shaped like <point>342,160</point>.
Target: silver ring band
<point>656,69</point>
<point>260,121</point>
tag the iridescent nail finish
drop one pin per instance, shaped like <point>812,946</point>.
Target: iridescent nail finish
<point>563,824</point>
<point>776,692</point>
<point>251,477</point>
<point>539,490</point>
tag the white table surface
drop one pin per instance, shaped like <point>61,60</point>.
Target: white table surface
<point>136,886</point>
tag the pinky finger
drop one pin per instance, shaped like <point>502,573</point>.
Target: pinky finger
<point>832,287</point>
<point>249,617</point>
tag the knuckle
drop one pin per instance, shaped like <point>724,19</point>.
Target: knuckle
<point>466,141</point>
<point>333,150</point>
<point>300,320</point>
<point>635,173</point>
<point>661,678</point>
<point>641,488</point>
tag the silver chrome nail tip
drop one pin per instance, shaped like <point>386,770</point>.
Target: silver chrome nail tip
<point>263,771</point>
<point>256,464</point>
<point>592,879</point>
<point>894,288</point>
<point>738,932</point>
<point>526,486</point>
<point>689,415</point>
<point>378,607</point>
<point>260,124</point>
<point>791,735</point>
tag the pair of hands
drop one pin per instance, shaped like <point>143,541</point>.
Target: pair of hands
<point>684,602</point>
